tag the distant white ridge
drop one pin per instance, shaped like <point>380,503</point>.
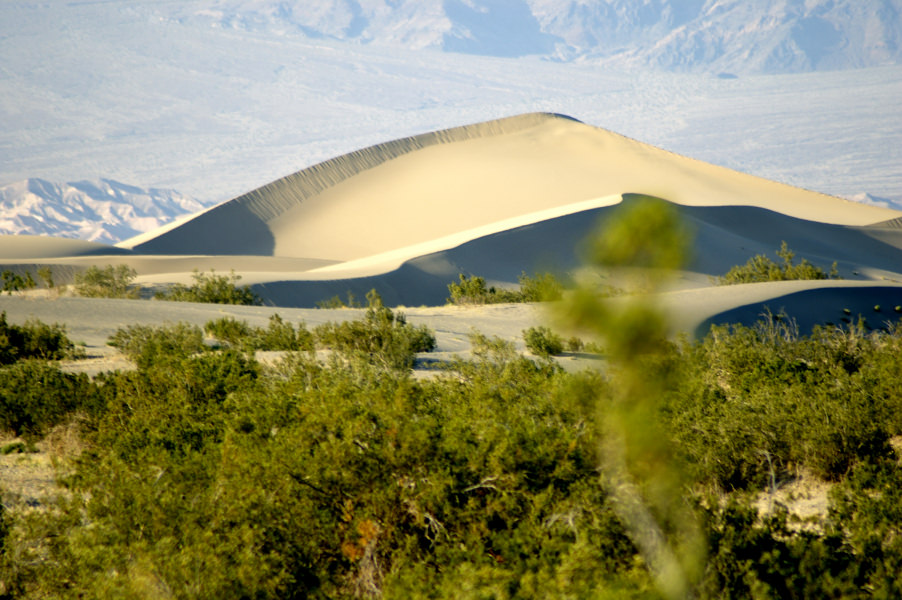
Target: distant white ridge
<point>98,211</point>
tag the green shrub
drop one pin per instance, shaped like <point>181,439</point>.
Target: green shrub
<point>34,340</point>
<point>13,282</point>
<point>867,509</point>
<point>46,275</point>
<point>147,345</point>
<point>109,282</point>
<point>209,477</point>
<point>336,302</point>
<point>228,330</point>
<point>35,396</point>
<point>278,335</point>
<point>473,290</point>
<point>543,287</point>
<point>541,341</point>
<point>213,289</point>
<point>493,350</point>
<point>756,403</point>
<point>328,485</point>
<point>760,268</point>
<point>381,338</point>
<point>763,556</point>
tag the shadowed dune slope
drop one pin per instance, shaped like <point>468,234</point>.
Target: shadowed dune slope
<point>417,189</point>
<point>724,236</point>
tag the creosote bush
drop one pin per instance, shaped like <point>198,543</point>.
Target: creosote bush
<point>147,345</point>
<point>34,339</point>
<point>472,290</point>
<point>35,396</point>
<point>109,282</point>
<point>337,302</point>
<point>212,288</point>
<point>278,335</point>
<point>541,341</point>
<point>760,268</point>
<point>382,338</point>
<point>13,282</point>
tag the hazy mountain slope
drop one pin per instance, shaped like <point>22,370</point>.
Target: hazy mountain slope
<point>213,111</point>
<point>99,211</point>
<point>732,35</point>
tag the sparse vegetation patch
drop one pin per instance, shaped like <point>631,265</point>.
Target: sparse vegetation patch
<point>109,282</point>
<point>760,269</point>
<point>543,287</point>
<point>212,288</point>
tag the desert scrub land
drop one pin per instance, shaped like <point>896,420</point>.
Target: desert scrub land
<point>205,473</point>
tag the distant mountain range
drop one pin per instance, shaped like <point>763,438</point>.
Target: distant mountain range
<point>99,211</point>
<point>742,36</point>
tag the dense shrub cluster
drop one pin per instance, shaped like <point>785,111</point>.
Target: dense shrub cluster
<point>760,268</point>
<point>34,339</point>
<point>756,403</point>
<point>146,345</point>
<point>13,282</point>
<point>109,282</point>
<point>382,338</point>
<point>278,335</point>
<point>472,290</point>
<point>207,475</point>
<point>212,288</point>
<point>541,341</point>
<point>35,396</point>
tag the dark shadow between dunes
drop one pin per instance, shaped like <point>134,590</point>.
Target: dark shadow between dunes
<point>724,236</point>
<point>837,306</point>
<point>231,228</point>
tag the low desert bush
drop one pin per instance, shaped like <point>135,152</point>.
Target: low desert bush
<point>541,341</point>
<point>337,302</point>
<point>109,282</point>
<point>754,406</point>
<point>382,338</point>
<point>203,473</point>
<point>34,339</point>
<point>13,282</point>
<point>212,288</point>
<point>760,268</point>
<point>543,287</point>
<point>35,396</point>
<point>278,335</point>
<point>146,345</point>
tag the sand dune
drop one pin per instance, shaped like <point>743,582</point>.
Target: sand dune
<point>417,189</point>
<point>496,199</point>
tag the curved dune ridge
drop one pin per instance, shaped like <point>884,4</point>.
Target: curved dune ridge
<point>494,199</point>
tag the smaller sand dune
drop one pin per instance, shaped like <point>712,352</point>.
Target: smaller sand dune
<point>19,247</point>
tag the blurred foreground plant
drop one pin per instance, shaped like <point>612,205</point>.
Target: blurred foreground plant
<point>640,243</point>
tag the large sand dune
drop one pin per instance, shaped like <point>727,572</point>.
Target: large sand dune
<point>495,199</point>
